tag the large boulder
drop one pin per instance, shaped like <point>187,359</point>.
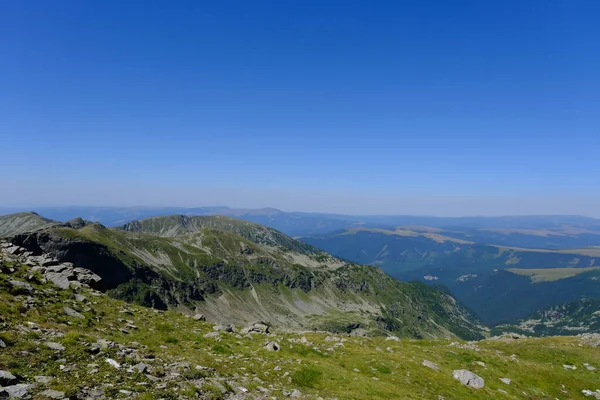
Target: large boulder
<point>6,378</point>
<point>272,346</point>
<point>258,327</point>
<point>18,391</point>
<point>468,378</point>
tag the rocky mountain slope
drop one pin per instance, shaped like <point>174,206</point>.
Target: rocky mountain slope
<point>230,278</point>
<point>78,343</point>
<point>577,317</point>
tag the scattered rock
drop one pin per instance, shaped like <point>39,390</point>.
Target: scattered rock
<point>55,346</point>
<point>588,366</point>
<point>588,393</point>
<point>394,338</point>
<point>431,365</point>
<point>43,379</point>
<point>141,367</point>
<point>259,327</point>
<point>296,393</point>
<point>80,298</point>
<point>21,286</point>
<point>6,378</point>
<point>272,346</point>
<point>571,367</point>
<point>2,344</point>
<point>213,335</point>
<point>113,363</point>
<point>468,378</point>
<point>199,317</point>
<point>17,391</point>
<point>52,394</point>
<point>72,313</point>
<point>506,380</point>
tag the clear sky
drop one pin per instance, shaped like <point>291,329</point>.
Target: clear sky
<point>407,107</point>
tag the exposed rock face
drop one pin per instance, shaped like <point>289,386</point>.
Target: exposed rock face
<point>468,378</point>
<point>95,257</point>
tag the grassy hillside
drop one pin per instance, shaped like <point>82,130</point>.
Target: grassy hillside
<point>118,350</point>
<point>176,225</point>
<point>14,224</point>
<point>232,279</point>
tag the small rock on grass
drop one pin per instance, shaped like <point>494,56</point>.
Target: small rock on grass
<point>55,346</point>
<point>429,364</point>
<point>52,394</point>
<point>72,313</point>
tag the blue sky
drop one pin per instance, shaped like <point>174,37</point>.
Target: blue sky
<point>423,107</point>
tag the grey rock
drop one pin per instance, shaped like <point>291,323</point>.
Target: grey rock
<point>80,298</point>
<point>87,277</point>
<point>43,379</point>
<point>2,344</point>
<point>259,327</point>
<point>59,279</point>
<point>588,393</point>
<point>52,394</point>
<point>199,317</point>
<point>14,250</point>
<point>141,367</point>
<point>468,378</point>
<point>24,286</point>
<point>296,393</point>
<point>17,391</point>
<point>272,346</point>
<point>6,378</point>
<point>212,335</point>
<point>55,346</point>
<point>431,365</point>
<point>506,380</point>
<point>72,313</point>
<point>113,363</point>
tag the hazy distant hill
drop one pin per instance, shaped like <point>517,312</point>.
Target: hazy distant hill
<point>302,223</point>
<point>13,224</point>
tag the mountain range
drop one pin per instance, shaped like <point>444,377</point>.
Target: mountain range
<point>502,269</point>
<point>236,271</point>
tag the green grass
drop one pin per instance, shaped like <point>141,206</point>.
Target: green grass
<point>306,377</point>
<point>361,368</point>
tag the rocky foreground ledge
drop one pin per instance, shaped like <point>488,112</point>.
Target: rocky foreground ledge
<point>61,338</point>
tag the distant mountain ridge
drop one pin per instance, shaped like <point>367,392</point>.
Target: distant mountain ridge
<point>306,223</point>
<point>177,225</point>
